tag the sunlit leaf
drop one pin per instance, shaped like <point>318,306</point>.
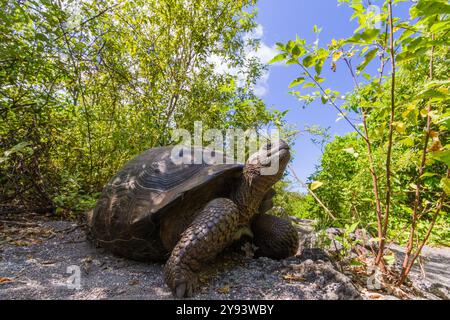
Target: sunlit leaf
<point>442,156</point>
<point>315,185</point>
<point>446,185</point>
<point>308,61</point>
<point>337,55</point>
<point>296,82</point>
<point>278,57</point>
<point>367,59</point>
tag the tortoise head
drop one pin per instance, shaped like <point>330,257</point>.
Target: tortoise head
<point>265,167</point>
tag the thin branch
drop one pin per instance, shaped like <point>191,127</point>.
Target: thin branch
<point>78,75</point>
<point>372,170</point>
<point>332,102</point>
<point>417,199</point>
<point>349,66</point>
<point>390,138</point>
<point>311,192</point>
<point>383,62</point>
<point>66,32</point>
<point>407,269</point>
<point>20,223</point>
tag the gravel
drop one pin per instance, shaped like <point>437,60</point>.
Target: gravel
<point>44,267</point>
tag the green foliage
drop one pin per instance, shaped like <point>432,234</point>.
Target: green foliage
<point>288,202</point>
<point>86,85</point>
<point>346,185</point>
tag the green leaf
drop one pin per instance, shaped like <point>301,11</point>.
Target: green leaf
<point>442,156</point>
<point>400,127</point>
<point>22,147</point>
<point>318,68</point>
<point>405,56</point>
<point>321,57</point>
<point>319,79</point>
<point>353,227</point>
<point>429,174</point>
<point>440,26</point>
<point>309,85</point>
<point>429,8</point>
<point>308,61</point>
<point>438,94</point>
<point>424,112</point>
<point>296,82</point>
<point>280,46</point>
<point>297,51</point>
<point>446,185</point>
<point>356,263</point>
<point>41,36</point>
<point>278,57</point>
<point>366,37</point>
<point>316,29</point>
<point>370,34</point>
<point>289,45</point>
<point>292,61</point>
<point>367,58</point>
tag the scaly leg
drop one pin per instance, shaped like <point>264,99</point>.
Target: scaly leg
<point>210,232</point>
<point>275,237</point>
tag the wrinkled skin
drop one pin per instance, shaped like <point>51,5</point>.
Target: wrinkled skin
<point>213,229</point>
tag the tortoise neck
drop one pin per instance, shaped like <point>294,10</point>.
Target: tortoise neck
<point>248,196</point>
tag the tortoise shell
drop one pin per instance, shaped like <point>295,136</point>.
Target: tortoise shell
<point>150,188</point>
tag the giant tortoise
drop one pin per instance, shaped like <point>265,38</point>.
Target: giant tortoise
<point>186,213</point>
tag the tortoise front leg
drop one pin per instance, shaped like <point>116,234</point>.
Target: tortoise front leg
<point>209,233</point>
<point>274,237</point>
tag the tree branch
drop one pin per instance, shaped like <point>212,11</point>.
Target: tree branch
<point>417,198</point>
<point>332,102</point>
<point>311,192</point>
<point>390,137</point>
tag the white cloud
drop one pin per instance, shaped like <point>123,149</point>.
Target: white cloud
<point>220,65</point>
<point>261,87</point>
<point>258,32</point>
<point>264,54</point>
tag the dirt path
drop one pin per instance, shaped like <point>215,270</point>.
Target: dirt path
<point>436,264</point>
<point>39,264</point>
<point>433,273</point>
<point>40,260</point>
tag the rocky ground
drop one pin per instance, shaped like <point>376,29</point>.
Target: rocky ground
<point>432,274</point>
<point>43,260</point>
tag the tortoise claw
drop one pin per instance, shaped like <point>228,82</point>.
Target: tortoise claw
<point>180,290</point>
<point>184,289</point>
<point>180,280</point>
<point>208,234</point>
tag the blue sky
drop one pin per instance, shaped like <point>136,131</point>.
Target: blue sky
<point>282,20</point>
